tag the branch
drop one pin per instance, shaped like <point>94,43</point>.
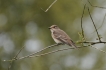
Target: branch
<point>81,22</point>
<point>36,52</point>
<point>53,52</point>
<point>40,51</point>
<point>32,55</point>
<point>11,61</point>
<point>48,53</point>
<point>62,50</point>
<point>92,43</point>
<point>50,6</point>
<point>94,25</point>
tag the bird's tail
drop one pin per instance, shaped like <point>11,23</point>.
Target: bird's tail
<point>72,44</point>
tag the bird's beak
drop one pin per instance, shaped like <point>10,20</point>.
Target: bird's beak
<point>49,28</point>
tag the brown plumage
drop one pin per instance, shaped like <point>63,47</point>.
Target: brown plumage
<point>60,36</point>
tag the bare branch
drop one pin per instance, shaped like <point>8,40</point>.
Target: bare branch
<point>81,22</point>
<point>63,50</point>
<point>94,25</point>
<point>37,52</point>
<point>14,58</point>
<point>54,51</point>
<point>32,55</point>
<point>50,6</point>
<point>48,53</point>
<point>40,51</point>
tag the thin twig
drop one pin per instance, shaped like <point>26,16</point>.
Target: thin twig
<point>94,25</point>
<point>19,52</point>
<point>81,22</point>
<point>50,6</point>
<point>96,6</point>
<point>11,62</point>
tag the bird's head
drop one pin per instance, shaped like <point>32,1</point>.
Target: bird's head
<point>54,27</point>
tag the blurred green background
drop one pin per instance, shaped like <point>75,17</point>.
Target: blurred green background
<point>24,22</point>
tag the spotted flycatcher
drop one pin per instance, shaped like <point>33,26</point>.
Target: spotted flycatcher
<point>60,36</point>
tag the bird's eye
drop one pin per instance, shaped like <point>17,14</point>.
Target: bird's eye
<point>55,27</point>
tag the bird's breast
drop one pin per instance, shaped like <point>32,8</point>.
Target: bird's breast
<point>54,38</point>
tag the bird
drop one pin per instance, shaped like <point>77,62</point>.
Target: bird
<point>60,37</point>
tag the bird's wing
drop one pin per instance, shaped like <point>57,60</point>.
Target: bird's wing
<point>63,37</point>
